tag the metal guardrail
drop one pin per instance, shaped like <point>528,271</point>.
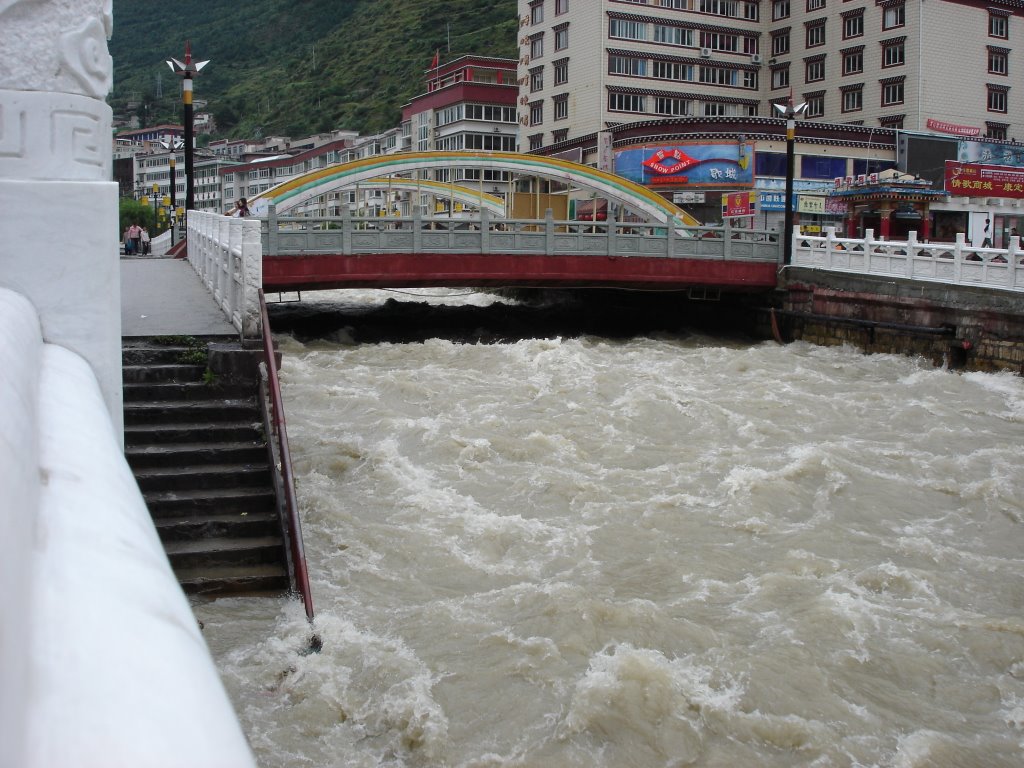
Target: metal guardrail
<point>284,480</point>
<point>484,234</point>
<point>958,263</point>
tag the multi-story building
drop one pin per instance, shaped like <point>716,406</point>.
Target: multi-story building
<point>942,66</point>
<point>470,103</point>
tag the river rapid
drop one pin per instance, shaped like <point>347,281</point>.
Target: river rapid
<point>668,550</point>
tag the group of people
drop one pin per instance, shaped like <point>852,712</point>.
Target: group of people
<point>136,240</point>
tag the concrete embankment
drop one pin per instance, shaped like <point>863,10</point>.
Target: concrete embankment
<point>961,327</point>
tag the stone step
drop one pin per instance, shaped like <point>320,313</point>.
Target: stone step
<point>191,391</point>
<point>221,581</point>
<point>195,432</point>
<point>184,412</point>
<point>142,456</point>
<point>230,526</point>
<point>149,355</point>
<point>196,503</point>
<point>203,553</point>
<point>169,372</point>
<point>203,477</point>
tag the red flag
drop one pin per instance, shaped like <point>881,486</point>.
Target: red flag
<point>437,59</point>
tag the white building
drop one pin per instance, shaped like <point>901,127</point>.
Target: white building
<point>943,66</point>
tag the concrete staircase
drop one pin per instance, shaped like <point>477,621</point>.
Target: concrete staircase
<point>196,445</point>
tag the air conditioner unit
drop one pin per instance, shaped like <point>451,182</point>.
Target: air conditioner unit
<point>705,53</point>
<point>755,58</point>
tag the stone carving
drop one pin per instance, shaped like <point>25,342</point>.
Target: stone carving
<point>84,53</point>
<point>53,136</point>
<point>56,45</point>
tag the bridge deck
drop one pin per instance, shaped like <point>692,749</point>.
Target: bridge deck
<point>394,270</point>
<point>165,297</point>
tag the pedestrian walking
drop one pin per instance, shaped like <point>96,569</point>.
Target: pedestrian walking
<point>135,233</point>
<point>127,239</point>
<point>144,237</point>
<point>241,208</point>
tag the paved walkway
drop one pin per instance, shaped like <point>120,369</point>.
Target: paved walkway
<point>165,297</point>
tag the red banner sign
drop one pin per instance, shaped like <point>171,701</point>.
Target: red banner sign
<point>739,204</point>
<point>973,180</point>
<point>943,127</point>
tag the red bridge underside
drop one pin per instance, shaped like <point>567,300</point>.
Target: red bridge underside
<point>405,270</point>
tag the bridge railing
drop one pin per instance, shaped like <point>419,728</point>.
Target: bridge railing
<point>225,252</point>
<point>956,263</point>
<point>483,233</point>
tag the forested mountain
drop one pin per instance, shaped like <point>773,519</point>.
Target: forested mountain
<point>294,67</point>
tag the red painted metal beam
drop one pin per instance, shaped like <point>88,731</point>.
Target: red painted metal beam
<point>398,270</point>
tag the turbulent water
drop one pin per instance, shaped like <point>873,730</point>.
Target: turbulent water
<point>666,551</point>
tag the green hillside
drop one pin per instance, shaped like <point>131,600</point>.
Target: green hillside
<point>300,66</point>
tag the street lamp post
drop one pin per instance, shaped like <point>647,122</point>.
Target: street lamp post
<point>790,112</point>
<point>187,70</point>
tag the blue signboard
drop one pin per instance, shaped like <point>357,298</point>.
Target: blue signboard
<point>773,201</point>
<point>679,165</point>
<point>991,153</point>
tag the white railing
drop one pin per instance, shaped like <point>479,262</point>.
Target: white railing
<point>483,234</point>
<point>957,263</point>
<point>226,253</point>
<point>99,649</point>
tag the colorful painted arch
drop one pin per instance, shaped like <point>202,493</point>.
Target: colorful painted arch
<point>299,190</point>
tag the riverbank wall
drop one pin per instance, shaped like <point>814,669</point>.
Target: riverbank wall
<point>954,326</point>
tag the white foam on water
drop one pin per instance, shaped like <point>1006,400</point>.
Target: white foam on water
<point>576,552</point>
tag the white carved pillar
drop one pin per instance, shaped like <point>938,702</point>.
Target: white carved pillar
<point>58,204</point>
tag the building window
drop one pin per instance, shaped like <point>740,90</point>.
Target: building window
<point>815,5</point>
<point>537,79</point>
<point>853,98</point>
<point>998,26</point>
<point>814,70</point>
<point>670,35</point>
<point>537,46</point>
<point>892,93</point>
<point>815,104</point>
<point>780,77</point>
<point>561,106</point>
<point>780,43</point>
<point>719,41</point>
<point>537,11</point>
<point>561,37</point>
<point>992,131</point>
<point>718,76</point>
<point>561,6</point>
<point>816,34</point>
<point>624,29</point>
<point>997,98</point>
<point>536,140</point>
<point>626,102</point>
<point>559,136</point>
<point>780,9</point>
<point>892,54</point>
<point>536,113</point>
<point>671,70</point>
<point>561,71</point>
<point>714,109</point>
<point>998,61</point>
<point>892,121</point>
<point>674,107</point>
<point>853,61</point>
<point>729,8</point>
<point>627,65</point>
<point>853,25</point>
<point>894,16</point>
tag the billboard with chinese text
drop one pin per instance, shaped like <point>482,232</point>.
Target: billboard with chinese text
<point>974,180</point>
<point>687,165</point>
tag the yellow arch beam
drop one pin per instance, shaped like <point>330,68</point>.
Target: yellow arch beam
<point>301,189</point>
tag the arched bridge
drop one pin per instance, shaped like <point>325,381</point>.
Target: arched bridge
<point>635,199</point>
